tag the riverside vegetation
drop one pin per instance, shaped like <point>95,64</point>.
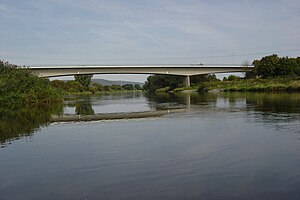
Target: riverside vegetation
<point>84,85</point>
<point>28,102</point>
<point>18,85</point>
<point>271,73</point>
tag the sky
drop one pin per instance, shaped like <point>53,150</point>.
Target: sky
<point>114,32</point>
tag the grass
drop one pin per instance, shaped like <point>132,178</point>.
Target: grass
<point>255,85</point>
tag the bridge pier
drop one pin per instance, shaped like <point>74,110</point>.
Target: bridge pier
<point>186,82</point>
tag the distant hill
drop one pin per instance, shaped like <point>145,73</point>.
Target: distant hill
<point>108,82</point>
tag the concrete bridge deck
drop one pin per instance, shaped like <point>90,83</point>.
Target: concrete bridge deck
<point>181,70</point>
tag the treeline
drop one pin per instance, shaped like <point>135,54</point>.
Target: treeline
<point>274,66</point>
<point>19,85</point>
<point>75,86</point>
<point>270,74</point>
<point>170,82</point>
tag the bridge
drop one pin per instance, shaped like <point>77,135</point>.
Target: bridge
<point>180,70</point>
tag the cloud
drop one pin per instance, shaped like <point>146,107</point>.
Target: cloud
<point>144,29</point>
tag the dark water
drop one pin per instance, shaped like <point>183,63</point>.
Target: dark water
<point>226,146</point>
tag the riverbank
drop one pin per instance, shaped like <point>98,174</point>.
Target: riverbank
<point>243,85</point>
<point>19,86</point>
<point>253,85</point>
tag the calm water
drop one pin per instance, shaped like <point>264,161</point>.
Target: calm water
<point>225,146</point>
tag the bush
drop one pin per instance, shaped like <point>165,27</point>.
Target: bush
<point>74,86</point>
<point>164,89</point>
<point>99,86</point>
<point>61,85</point>
<point>233,78</point>
<point>137,87</point>
<point>116,87</point>
<point>127,87</point>
<point>107,88</point>
<point>19,85</point>
<point>93,89</point>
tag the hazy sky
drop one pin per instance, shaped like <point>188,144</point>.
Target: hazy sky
<point>46,32</point>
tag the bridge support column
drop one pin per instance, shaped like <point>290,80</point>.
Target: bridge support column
<point>186,82</point>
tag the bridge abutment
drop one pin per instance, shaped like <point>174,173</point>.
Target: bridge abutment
<point>186,82</point>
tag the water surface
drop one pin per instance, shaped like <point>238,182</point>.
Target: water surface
<point>226,146</point>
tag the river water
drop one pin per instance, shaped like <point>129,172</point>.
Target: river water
<point>224,146</point>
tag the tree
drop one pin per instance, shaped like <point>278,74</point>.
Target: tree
<point>107,88</point>
<point>137,87</point>
<point>74,86</point>
<point>127,87</point>
<point>249,73</point>
<point>204,78</point>
<point>116,87</point>
<point>155,82</point>
<point>84,79</point>
<point>19,85</point>
<point>271,66</point>
<point>298,66</point>
<point>286,66</point>
<point>266,67</point>
<point>233,78</point>
<point>59,84</point>
<point>98,86</point>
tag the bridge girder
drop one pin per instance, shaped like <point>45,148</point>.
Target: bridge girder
<point>182,70</point>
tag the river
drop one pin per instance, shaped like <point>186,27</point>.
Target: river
<point>222,146</point>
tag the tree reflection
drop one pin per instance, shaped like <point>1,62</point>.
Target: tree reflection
<point>82,104</point>
<point>172,100</point>
<point>84,108</point>
<point>264,102</point>
<point>274,102</point>
<point>23,121</point>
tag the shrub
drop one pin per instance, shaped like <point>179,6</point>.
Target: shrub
<point>20,85</point>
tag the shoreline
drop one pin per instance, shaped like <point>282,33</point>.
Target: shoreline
<point>243,85</point>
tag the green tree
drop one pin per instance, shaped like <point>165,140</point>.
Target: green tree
<point>61,85</point>
<point>116,87</point>
<point>74,86</point>
<point>233,78</point>
<point>271,66</point>
<point>266,67</point>
<point>84,79</point>
<point>137,87</point>
<point>98,86</point>
<point>298,66</point>
<point>127,87</point>
<point>19,85</point>
<point>155,82</point>
<point>107,88</point>
<point>249,73</point>
<point>203,78</point>
<point>286,66</point>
